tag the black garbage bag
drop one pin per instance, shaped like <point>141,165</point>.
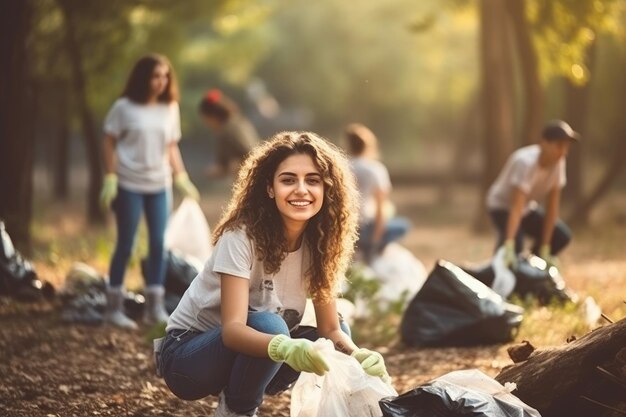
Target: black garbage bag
<point>457,394</point>
<point>533,278</point>
<point>84,297</point>
<point>454,309</point>
<point>180,270</point>
<point>18,278</point>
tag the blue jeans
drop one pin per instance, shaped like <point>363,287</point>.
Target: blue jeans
<point>395,228</point>
<point>196,364</point>
<point>531,225</point>
<point>127,207</point>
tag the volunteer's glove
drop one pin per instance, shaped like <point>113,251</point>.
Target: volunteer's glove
<point>372,363</point>
<point>300,354</point>
<point>108,191</point>
<point>545,253</point>
<point>510,257</point>
<point>185,186</point>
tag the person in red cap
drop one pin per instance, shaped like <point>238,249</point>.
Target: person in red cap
<point>533,173</point>
<point>235,135</point>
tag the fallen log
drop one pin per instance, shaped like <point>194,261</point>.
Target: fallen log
<point>586,377</point>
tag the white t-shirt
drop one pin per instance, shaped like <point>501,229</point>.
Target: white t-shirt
<point>371,176</point>
<point>522,170</point>
<point>283,293</point>
<point>143,134</point>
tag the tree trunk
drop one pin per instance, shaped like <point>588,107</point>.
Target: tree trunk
<point>497,81</point>
<point>90,133</point>
<point>17,111</point>
<point>582,212</point>
<point>533,100</point>
<point>61,160</point>
<point>570,380</point>
<point>576,110</point>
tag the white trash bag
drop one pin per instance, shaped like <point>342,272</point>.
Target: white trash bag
<point>345,391</point>
<point>188,231</point>
<point>399,272</point>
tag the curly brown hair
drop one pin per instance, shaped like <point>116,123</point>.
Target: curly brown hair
<point>330,234</point>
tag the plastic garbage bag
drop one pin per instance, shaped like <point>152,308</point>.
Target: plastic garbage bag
<point>532,277</point>
<point>455,309</point>
<point>345,391</point>
<point>188,231</point>
<point>84,297</point>
<point>18,278</point>
<point>180,270</point>
<point>459,393</point>
<point>399,273</point>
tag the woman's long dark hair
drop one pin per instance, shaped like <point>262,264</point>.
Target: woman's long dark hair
<point>138,84</point>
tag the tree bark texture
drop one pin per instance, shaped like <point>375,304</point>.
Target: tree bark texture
<point>497,82</point>
<point>17,111</point>
<point>532,120</point>
<point>576,113</point>
<point>90,133</point>
<point>574,379</point>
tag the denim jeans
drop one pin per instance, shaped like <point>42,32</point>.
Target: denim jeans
<point>127,207</point>
<point>395,228</point>
<point>531,225</point>
<point>196,364</point>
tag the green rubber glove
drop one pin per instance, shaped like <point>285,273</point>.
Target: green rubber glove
<point>185,186</point>
<point>297,353</point>
<point>545,253</point>
<point>108,191</point>
<point>510,257</point>
<point>372,362</point>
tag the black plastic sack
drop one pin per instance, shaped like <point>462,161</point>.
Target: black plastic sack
<point>180,270</point>
<point>533,278</point>
<point>84,298</point>
<point>18,278</point>
<point>454,309</point>
<point>457,394</point>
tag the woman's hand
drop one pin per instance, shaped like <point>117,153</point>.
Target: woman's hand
<point>372,363</point>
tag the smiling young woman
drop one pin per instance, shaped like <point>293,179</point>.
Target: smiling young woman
<point>288,232</point>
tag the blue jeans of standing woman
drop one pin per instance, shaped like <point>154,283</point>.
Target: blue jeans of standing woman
<point>128,206</point>
<point>395,228</point>
<point>196,364</point>
<point>531,225</point>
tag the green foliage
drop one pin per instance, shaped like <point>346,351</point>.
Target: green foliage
<point>154,332</point>
<point>564,30</point>
<point>380,325</point>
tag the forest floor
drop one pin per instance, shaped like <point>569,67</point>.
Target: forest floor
<point>50,368</point>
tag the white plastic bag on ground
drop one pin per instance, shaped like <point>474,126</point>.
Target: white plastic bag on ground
<point>188,231</point>
<point>345,391</point>
<point>504,279</point>
<point>398,272</point>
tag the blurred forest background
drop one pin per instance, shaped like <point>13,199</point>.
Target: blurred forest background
<point>450,87</point>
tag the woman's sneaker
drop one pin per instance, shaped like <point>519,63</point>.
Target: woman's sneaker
<point>222,409</point>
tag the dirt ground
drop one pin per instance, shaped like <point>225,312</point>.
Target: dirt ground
<point>49,368</point>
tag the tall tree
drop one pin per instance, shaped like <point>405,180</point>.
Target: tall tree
<point>496,82</point>
<point>532,90</point>
<point>16,113</point>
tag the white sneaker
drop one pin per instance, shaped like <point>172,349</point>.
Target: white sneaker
<point>222,409</point>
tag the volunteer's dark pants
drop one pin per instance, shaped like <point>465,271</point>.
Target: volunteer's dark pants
<point>531,225</point>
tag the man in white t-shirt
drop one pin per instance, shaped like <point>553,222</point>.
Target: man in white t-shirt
<point>530,174</point>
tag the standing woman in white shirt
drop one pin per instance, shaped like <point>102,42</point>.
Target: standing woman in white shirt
<point>140,152</point>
